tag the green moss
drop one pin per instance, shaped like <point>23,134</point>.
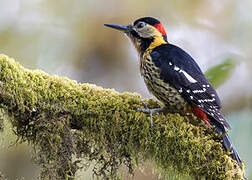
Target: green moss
<point>67,122</point>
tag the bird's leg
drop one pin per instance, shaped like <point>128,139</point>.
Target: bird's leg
<point>151,111</point>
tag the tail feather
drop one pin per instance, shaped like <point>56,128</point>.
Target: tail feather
<point>227,142</point>
<point>229,147</point>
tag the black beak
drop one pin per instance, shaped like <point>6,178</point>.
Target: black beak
<point>124,28</point>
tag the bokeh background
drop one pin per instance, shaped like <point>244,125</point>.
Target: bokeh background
<point>67,38</point>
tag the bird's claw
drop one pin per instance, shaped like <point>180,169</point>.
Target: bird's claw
<point>145,105</point>
<point>150,111</point>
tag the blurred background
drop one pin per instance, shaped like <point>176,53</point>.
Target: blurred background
<point>67,38</point>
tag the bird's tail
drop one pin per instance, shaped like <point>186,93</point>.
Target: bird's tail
<point>227,142</point>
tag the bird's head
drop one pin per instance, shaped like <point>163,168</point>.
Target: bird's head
<point>145,33</point>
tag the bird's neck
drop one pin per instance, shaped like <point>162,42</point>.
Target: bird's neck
<point>159,40</point>
<point>149,44</point>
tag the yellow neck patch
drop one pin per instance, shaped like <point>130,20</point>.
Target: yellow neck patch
<point>158,40</point>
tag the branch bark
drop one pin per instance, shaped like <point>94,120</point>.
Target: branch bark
<point>68,122</point>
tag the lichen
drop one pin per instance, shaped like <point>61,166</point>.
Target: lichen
<point>67,122</point>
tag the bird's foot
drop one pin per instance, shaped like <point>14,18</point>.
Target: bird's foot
<point>151,111</point>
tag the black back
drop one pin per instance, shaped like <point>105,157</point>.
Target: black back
<point>176,66</point>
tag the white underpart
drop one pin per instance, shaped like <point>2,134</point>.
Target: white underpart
<point>188,77</point>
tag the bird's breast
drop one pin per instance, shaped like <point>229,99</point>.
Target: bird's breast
<point>163,91</point>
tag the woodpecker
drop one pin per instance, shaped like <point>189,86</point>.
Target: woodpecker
<point>174,78</point>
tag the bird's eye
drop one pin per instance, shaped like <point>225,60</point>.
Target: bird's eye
<point>140,25</point>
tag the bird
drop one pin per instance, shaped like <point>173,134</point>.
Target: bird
<point>174,77</point>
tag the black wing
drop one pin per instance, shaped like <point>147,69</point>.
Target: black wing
<point>180,70</point>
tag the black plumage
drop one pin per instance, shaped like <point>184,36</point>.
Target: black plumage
<point>150,20</point>
<point>177,68</point>
<point>172,62</point>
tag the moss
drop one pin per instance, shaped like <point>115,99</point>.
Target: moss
<point>67,122</point>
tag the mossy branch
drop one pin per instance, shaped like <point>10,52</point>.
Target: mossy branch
<point>67,122</point>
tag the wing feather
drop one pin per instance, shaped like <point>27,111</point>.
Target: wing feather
<point>180,70</point>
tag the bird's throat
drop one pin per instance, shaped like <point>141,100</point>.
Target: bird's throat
<point>147,45</point>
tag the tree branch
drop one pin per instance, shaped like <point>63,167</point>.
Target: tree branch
<point>68,122</point>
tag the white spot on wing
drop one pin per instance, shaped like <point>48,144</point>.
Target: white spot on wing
<point>199,91</point>
<point>188,77</point>
<point>170,63</point>
<point>176,68</point>
<point>180,90</point>
<point>206,100</point>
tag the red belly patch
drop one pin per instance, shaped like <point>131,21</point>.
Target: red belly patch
<point>200,114</point>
